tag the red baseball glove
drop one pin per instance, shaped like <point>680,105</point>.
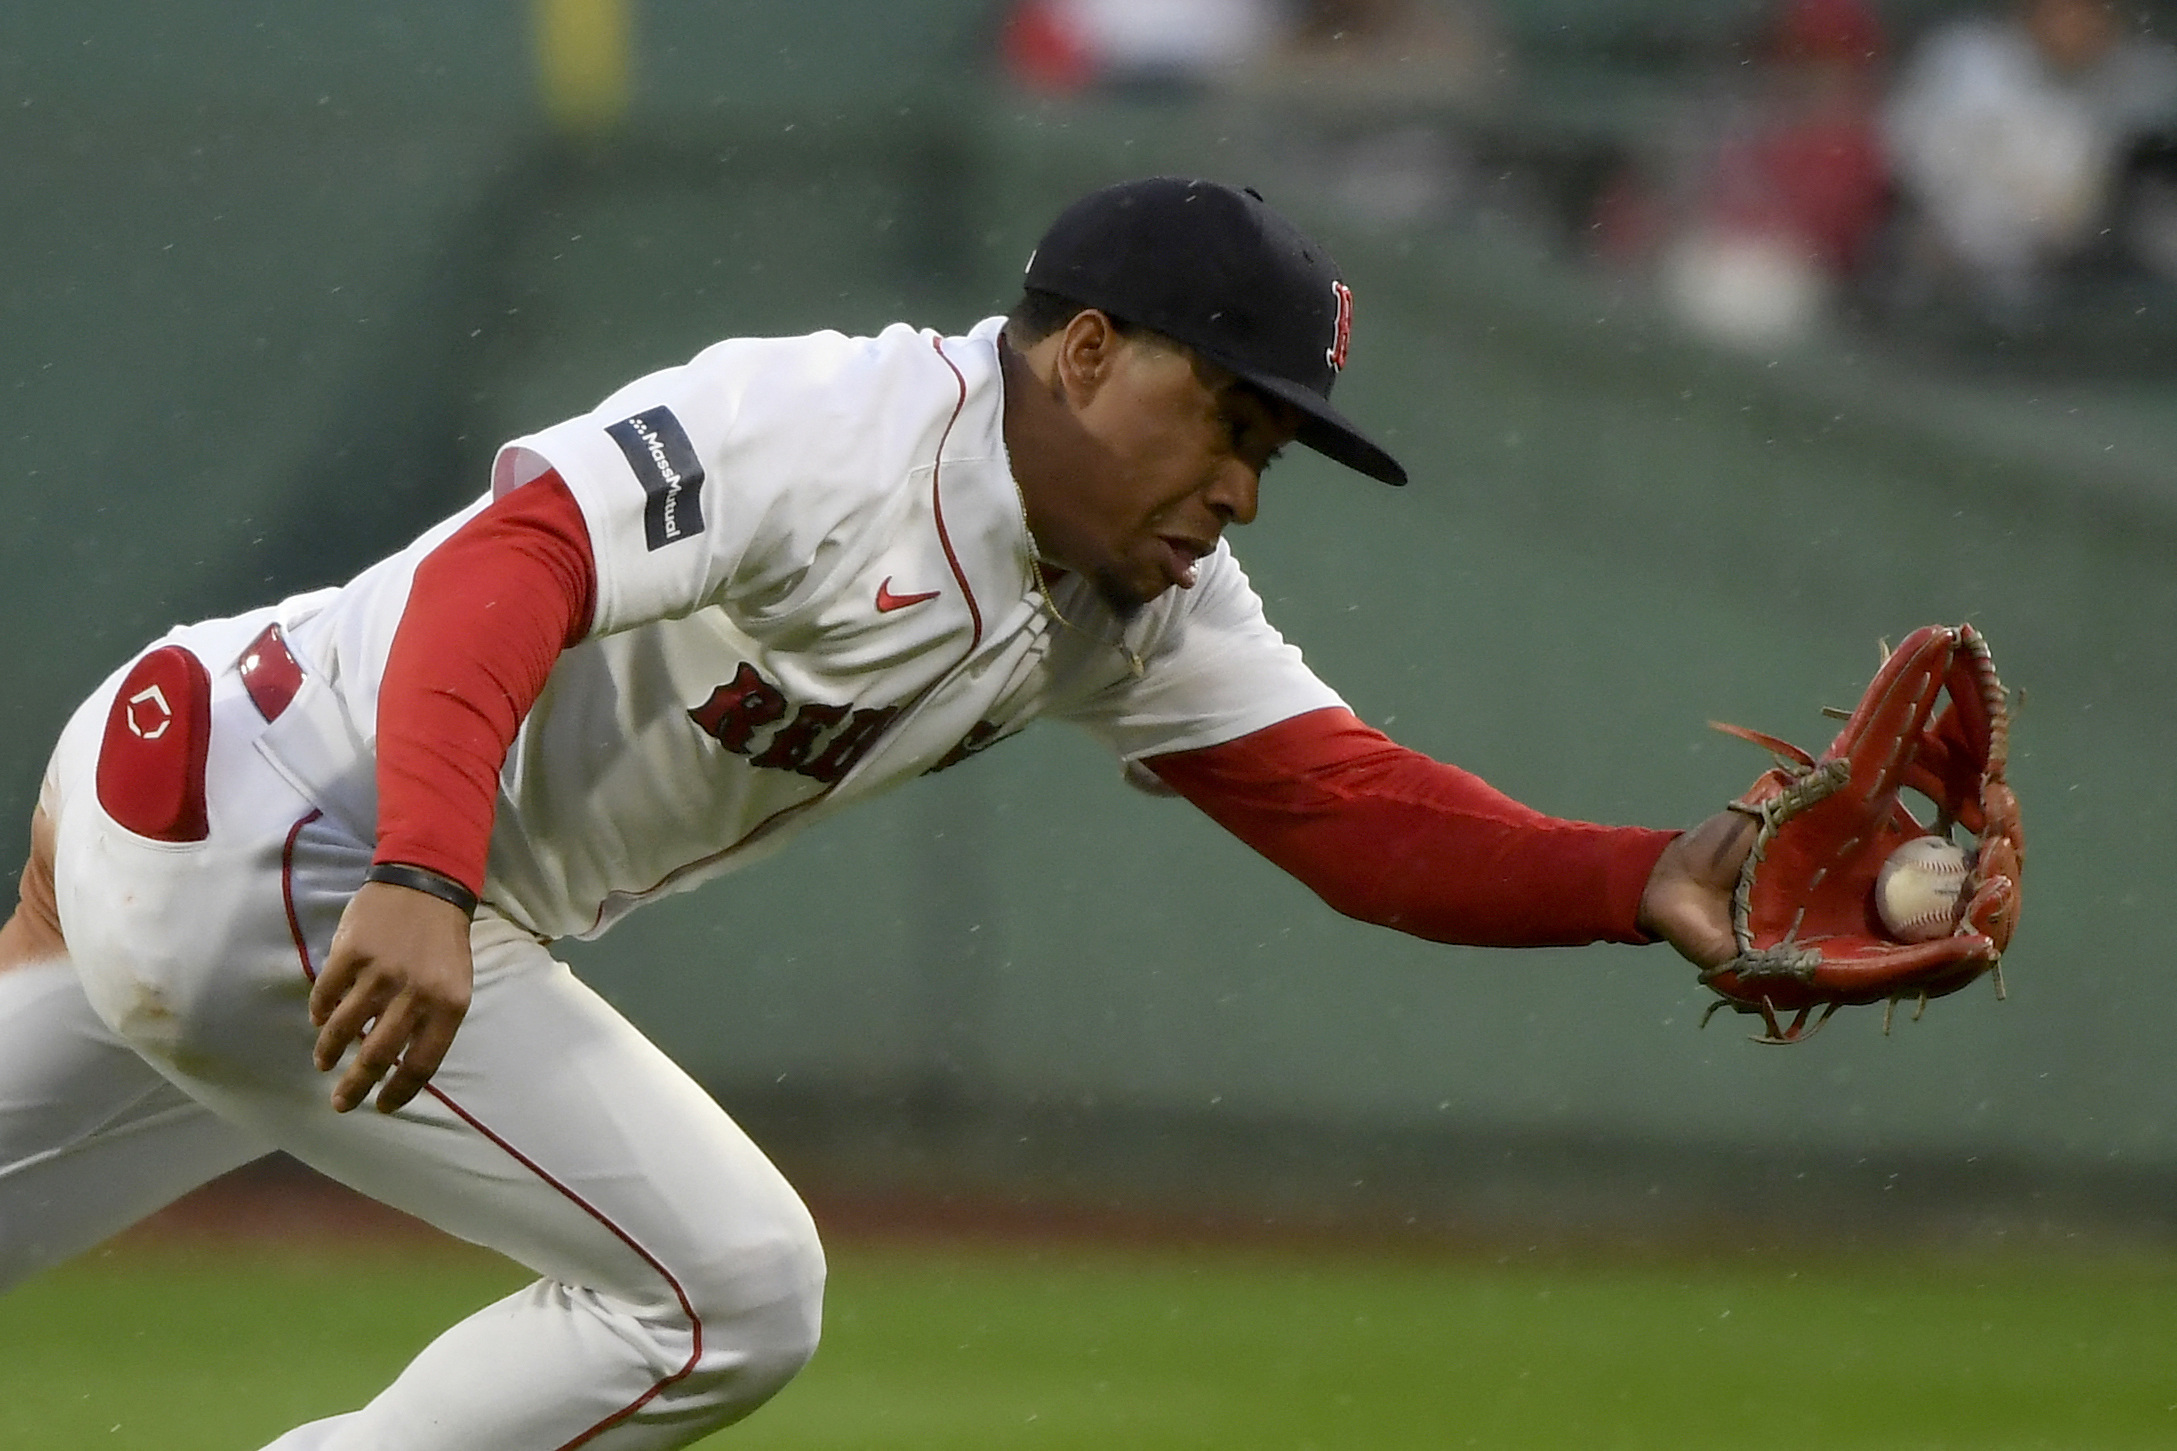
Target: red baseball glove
<point>1809,934</point>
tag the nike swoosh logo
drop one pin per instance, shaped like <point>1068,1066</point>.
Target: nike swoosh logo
<point>887,601</point>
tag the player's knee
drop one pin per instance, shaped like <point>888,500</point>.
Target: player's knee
<point>780,1325</point>
<point>761,1311</point>
<point>759,1352</point>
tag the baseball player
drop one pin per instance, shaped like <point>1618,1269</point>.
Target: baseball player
<point>314,855</point>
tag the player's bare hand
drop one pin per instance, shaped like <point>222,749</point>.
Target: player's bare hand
<point>1687,901</point>
<point>396,983</point>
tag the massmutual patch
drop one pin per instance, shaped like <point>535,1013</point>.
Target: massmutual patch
<point>659,452</point>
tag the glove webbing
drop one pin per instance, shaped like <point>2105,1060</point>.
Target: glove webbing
<point>1810,785</point>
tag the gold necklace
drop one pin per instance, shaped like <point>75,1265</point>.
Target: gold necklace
<point>1134,662</point>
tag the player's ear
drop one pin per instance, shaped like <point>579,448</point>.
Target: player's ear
<point>1088,349</point>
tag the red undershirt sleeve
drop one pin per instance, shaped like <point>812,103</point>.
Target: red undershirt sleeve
<point>488,613</point>
<point>1390,836</point>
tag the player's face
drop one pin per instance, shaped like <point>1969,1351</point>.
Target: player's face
<point>1172,450</point>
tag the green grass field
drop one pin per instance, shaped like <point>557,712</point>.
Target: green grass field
<point>1073,1346</point>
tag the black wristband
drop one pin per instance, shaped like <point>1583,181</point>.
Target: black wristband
<point>423,879</point>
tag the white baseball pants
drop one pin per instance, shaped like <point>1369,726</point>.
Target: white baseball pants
<point>682,1276</point>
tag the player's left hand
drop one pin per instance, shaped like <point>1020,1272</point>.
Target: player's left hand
<point>397,979</point>
<point>1687,901</point>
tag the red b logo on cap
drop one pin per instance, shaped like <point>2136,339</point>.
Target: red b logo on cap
<point>1343,338</point>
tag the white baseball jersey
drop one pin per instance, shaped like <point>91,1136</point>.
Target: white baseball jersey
<point>813,583</point>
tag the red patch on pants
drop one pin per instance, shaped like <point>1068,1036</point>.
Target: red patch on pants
<point>158,734</point>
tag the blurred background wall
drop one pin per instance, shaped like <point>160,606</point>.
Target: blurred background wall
<point>275,280</point>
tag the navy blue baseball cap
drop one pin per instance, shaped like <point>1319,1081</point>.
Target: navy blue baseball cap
<point>1216,269</point>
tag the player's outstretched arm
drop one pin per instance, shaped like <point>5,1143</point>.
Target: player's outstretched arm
<point>1387,835</point>
<point>397,980</point>
<point>1687,902</point>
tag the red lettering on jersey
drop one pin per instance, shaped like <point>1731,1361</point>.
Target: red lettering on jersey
<point>734,711</point>
<point>850,745</point>
<point>789,749</point>
<point>1342,339</point>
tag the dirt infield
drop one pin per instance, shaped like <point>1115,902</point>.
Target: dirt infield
<point>278,1202</point>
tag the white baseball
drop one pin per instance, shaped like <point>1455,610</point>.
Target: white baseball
<point>1916,892</point>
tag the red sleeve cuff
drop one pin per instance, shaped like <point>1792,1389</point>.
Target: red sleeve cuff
<point>1632,863</point>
